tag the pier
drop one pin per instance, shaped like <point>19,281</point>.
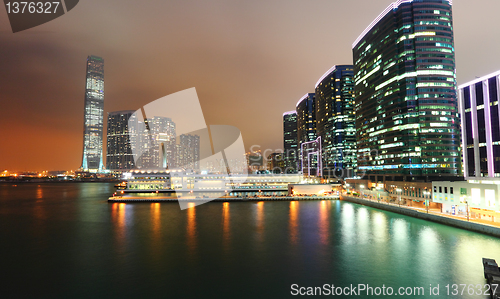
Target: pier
<point>153,199</point>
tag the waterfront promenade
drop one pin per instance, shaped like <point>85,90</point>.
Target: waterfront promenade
<point>476,225</point>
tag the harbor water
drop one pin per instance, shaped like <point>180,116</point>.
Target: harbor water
<point>64,240</point>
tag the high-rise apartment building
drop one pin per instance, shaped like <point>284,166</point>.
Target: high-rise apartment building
<point>290,142</point>
<point>481,126</point>
<point>405,88</point>
<point>93,118</point>
<point>276,163</point>
<point>188,155</point>
<point>160,140</point>
<point>120,139</point>
<point>336,121</point>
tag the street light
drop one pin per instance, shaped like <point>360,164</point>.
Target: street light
<point>467,204</point>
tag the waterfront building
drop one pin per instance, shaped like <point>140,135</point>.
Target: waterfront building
<point>479,112</point>
<point>290,141</point>
<point>405,90</point>
<point>93,115</point>
<point>182,183</point>
<point>188,155</point>
<point>477,199</point>
<point>306,123</point>
<point>120,137</point>
<point>336,122</point>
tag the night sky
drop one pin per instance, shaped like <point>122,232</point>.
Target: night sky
<point>250,61</point>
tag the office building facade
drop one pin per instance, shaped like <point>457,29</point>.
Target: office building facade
<point>406,97</point>
<point>120,139</point>
<point>306,119</point>
<point>290,141</point>
<point>336,121</point>
<point>306,125</point>
<point>92,160</point>
<point>480,112</point>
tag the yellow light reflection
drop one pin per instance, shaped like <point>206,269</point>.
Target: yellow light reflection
<point>39,208</point>
<point>324,222</point>
<point>39,192</point>
<point>191,227</point>
<point>118,218</point>
<point>293,221</point>
<point>156,229</point>
<point>260,219</point>
<point>225,224</point>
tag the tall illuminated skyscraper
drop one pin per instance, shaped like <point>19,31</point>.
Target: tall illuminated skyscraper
<point>93,115</point>
<point>290,142</point>
<point>406,96</point>
<point>306,119</point>
<point>336,121</point>
<point>306,131</point>
<point>121,137</point>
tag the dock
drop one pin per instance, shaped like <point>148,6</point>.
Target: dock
<point>153,199</point>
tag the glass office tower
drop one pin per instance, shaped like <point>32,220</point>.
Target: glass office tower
<point>120,139</point>
<point>336,122</point>
<point>306,119</point>
<point>481,126</point>
<point>406,100</point>
<point>93,115</point>
<point>306,124</point>
<point>290,142</point>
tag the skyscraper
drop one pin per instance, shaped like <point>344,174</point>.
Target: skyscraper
<point>336,123</point>
<point>120,139</point>
<point>276,163</point>
<point>290,142</point>
<point>405,87</point>
<point>481,126</point>
<point>306,119</point>
<point>93,115</point>
<point>189,152</point>
<point>306,126</point>
<point>159,141</point>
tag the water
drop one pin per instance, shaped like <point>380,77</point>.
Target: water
<point>65,241</point>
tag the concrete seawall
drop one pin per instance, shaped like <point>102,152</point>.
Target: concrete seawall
<point>471,226</point>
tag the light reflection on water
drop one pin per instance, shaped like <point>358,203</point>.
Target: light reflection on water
<point>324,222</point>
<point>156,235</point>
<point>191,241</point>
<point>226,233</point>
<point>293,221</point>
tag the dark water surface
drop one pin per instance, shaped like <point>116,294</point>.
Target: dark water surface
<point>66,241</point>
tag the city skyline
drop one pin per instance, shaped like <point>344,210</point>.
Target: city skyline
<point>33,105</point>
